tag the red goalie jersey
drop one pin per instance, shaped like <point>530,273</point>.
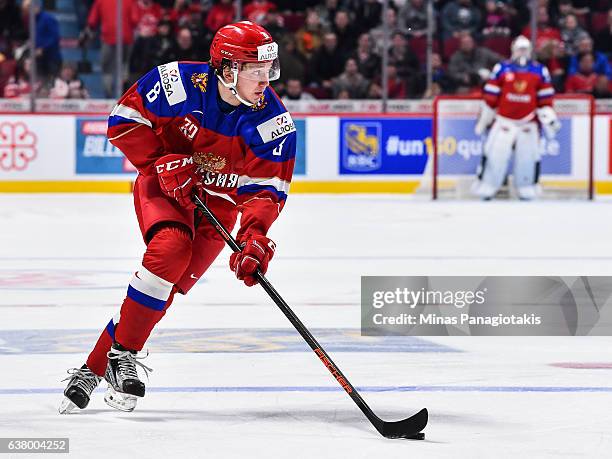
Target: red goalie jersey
<point>517,91</point>
<point>245,156</point>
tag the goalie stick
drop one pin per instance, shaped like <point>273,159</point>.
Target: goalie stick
<point>407,428</point>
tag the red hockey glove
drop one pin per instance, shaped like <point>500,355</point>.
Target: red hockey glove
<point>177,177</point>
<point>257,251</point>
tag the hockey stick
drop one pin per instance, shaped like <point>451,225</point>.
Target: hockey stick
<point>407,428</point>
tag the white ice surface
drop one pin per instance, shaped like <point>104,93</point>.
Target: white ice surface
<point>65,261</point>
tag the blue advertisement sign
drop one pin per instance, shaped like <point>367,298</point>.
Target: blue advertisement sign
<point>383,145</point>
<point>404,145</point>
<point>300,155</point>
<point>94,153</point>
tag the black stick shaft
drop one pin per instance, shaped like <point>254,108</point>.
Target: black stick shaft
<point>295,321</point>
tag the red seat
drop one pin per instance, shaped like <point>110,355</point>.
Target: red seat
<point>599,21</point>
<point>293,21</point>
<point>450,46</point>
<point>501,45</point>
<point>7,69</point>
<point>418,45</point>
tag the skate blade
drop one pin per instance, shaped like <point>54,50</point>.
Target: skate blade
<point>119,400</point>
<point>67,407</point>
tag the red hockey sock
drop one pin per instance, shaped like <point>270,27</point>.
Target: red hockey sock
<point>149,294</point>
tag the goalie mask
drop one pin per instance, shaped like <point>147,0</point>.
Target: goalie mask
<point>249,51</point>
<point>521,50</point>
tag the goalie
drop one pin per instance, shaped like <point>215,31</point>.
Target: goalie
<point>518,103</point>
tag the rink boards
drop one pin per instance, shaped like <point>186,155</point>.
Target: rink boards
<point>335,154</point>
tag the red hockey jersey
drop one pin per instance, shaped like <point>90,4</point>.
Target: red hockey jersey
<point>517,91</point>
<point>245,156</point>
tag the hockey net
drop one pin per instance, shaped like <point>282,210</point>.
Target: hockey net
<point>566,166</point>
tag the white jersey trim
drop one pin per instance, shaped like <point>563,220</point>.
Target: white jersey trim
<point>279,184</point>
<point>492,88</point>
<point>546,92</point>
<point>130,114</point>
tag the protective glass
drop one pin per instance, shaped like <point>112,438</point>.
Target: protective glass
<point>260,71</point>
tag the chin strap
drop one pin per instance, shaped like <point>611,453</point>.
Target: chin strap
<point>232,86</point>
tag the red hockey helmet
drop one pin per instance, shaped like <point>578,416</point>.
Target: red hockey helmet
<point>245,42</point>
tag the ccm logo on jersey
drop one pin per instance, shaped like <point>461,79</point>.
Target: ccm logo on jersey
<point>171,165</point>
<point>276,127</point>
<point>172,83</point>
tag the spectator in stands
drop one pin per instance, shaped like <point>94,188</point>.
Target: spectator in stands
<point>601,90</point>
<point>396,86</point>
<point>402,57</point>
<point>184,48</point>
<point>148,14</point>
<point>327,62</point>
<point>220,14</point>
<point>351,81</point>
<point>571,33</point>
<point>327,12</point>
<point>104,14</point>
<point>470,65</point>
<point>458,16</point>
<point>391,25</point>
<point>547,34</point>
<point>12,28</point>
<point>497,21</point>
<point>182,11</point>
<point>563,9</point>
<point>413,17</point>
<point>367,14</point>
<point>603,38</point>
<point>293,63</point>
<point>310,35</point>
<point>367,60</point>
<point>294,91</point>
<point>274,23</point>
<point>257,9</point>
<point>374,91</point>
<point>601,66</point>
<point>584,80</point>
<point>345,32</point>
<point>18,85</point>
<point>67,85</point>
<point>199,35</point>
<point>48,56</point>
<point>440,76</point>
<point>149,52</point>
<point>555,58</point>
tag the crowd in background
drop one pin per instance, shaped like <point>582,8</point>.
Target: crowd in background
<point>329,49</point>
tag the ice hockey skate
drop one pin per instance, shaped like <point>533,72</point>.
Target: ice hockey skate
<point>82,382</point>
<point>124,385</point>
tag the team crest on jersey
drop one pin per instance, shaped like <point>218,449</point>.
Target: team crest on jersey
<point>261,103</point>
<point>520,86</point>
<point>208,161</point>
<point>200,80</point>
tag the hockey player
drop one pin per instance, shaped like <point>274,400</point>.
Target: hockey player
<point>216,129</point>
<point>518,101</point>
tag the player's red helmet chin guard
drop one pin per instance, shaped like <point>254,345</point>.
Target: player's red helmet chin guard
<point>245,42</point>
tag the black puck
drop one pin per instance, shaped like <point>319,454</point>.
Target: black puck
<point>419,436</point>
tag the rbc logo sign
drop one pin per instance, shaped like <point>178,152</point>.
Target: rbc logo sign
<point>361,146</point>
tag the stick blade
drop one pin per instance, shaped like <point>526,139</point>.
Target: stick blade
<point>407,428</point>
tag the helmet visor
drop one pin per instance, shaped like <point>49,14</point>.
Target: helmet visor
<point>260,71</point>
